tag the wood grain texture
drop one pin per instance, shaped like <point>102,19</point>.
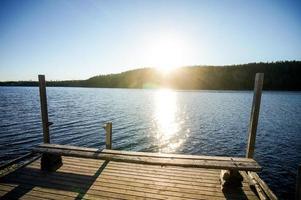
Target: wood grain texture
<point>207,162</point>
<point>86,178</point>
<point>254,114</point>
<point>44,110</point>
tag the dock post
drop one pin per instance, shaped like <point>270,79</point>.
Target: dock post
<point>298,185</point>
<point>108,128</point>
<point>254,114</point>
<point>49,162</point>
<point>44,110</point>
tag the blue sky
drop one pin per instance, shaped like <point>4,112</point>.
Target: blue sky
<point>69,39</point>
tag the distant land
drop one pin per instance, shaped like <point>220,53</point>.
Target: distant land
<point>282,75</point>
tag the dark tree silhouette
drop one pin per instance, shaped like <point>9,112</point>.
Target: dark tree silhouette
<point>284,75</point>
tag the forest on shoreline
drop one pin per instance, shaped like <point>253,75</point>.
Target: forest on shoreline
<point>282,75</point>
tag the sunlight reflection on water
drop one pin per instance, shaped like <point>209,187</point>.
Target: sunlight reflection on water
<point>167,121</point>
<point>190,122</point>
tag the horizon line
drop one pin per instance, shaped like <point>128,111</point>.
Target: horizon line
<point>152,67</point>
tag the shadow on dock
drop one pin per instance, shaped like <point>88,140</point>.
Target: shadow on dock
<point>26,179</point>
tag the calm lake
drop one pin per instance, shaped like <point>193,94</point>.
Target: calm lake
<point>190,122</point>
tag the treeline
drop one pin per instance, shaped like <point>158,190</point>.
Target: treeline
<point>285,75</point>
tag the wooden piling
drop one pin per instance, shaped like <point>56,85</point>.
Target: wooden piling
<point>108,128</point>
<point>298,185</point>
<point>44,111</point>
<point>254,114</point>
<point>48,162</point>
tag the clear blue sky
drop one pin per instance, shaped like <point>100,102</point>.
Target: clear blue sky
<point>69,39</point>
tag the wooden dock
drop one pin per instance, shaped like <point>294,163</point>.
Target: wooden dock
<point>86,178</point>
<point>88,173</point>
<point>54,171</point>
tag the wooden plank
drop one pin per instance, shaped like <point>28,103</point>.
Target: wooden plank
<point>213,164</point>
<point>147,154</point>
<point>20,193</point>
<point>173,169</point>
<point>87,171</point>
<point>72,177</point>
<point>178,156</point>
<point>155,161</point>
<point>70,169</point>
<point>58,194</point>
<point>15,167</point>
<point>69,147</point>
<point>98,195</point>
<point>80,181</point>
<point>121,180</point>
<point>146,175</point>
<point>130,194</point>
<point>51,180</point>
<point>162,192</point>
<point>174,188</point>
<point>263,185</point>
<point>63,193</point>
<point>254,114</point>
<point>259,190</point>
<point>16,160</point>
<point>156,168</point>
<point>44,110</point>
<point>48,193</point>
<point>139,185</point>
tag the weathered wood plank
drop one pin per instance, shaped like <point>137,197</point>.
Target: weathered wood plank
<point>109,174</point>
<point>71,174</point>
<point>17,166</point>
<point>147,154</point>
<point>197,190</point>
<point>69,147</point>
<point>9,192</point>
<point>200,163</point>
<point>163,193</point>
<point>259,190</point>
<point>16,160</point>
<point>112,169</point>
<point>178,156</point>
<point>44,110</point>
<point>50,181</point>
<point>63,193</point>
<point>72,177</point>
<point>174,170</point>
<point>190,172</point>
<point>120,180</point>
<point>254,114</point>
<point>152,168</point>
<point>57,182</point>
<point>263,185</point>
<point>47,193</point>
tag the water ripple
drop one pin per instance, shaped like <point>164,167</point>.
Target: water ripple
<point>194,122</point>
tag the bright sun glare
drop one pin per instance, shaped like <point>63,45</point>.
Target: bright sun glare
<point>168,51</point>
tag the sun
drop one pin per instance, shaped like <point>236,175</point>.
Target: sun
<point>167,51</point>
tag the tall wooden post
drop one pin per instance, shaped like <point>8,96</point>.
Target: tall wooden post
<point>108,128</point>
<point>49,162</point>
<point>254,114</point>
<point>44,111</point>
<point>298,185</point>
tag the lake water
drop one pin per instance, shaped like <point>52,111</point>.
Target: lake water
<point>190,122</point>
